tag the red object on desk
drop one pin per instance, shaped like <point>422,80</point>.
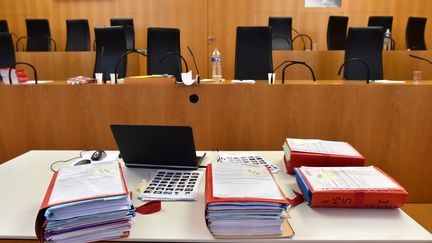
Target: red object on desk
<point>370,198</point>
<point>318,159</point>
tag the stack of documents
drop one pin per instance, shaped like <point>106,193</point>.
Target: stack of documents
<point>316,152</point>
<point>366,187</point>
<point>86,203</point>
<point>244,201</point>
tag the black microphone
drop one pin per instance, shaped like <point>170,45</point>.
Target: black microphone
<point>123,57</point>
<point>176,54</point>
<point>356,60</point>
<point>194,62</point>
<point>25,63</point>
<point>287,61</point>
<point>420,58</point>
<point>295,63</point>
<point>304,43</point>
<point>18,41</point>
<point>103,65</point>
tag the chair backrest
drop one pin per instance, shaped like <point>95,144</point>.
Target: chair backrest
<point>7,57</point>
<point>4,26</point>
<point>161,41</point>
<point>253,57</point>
<point>364,43</point>
<point>337,32</point>
<point>78,35</point>
<point>386,22</point>
<point>110,46</point>
<point>38,35</point>
<point>281,29</point>
<point>415,33</point>
<point>128,25</point>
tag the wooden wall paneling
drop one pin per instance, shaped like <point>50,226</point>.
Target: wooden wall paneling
<point>223,18</point>
<point>187,15</point>
<point>217,18</point>
<point>388,124</point>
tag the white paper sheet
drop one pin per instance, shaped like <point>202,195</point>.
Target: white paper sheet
<point>321,146</point>
<point>87,181</point>
<point>347,178</point>
<point>234,180</point>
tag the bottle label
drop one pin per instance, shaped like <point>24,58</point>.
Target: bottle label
<point>216,59</point>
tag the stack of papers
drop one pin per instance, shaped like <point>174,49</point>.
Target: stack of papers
<point>86,203</point>
<point>316,152</point>
<point>350,187</point>
<point>243,201</point>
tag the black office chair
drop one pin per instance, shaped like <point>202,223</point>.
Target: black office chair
<point>281,33</point>
<point>160,43</point>
<point>415,33</point>
<point>110,46</point>
<point>129,30</point>
<point>38,35</point>
<point>253,57</point>
<point>7,57</point>
<point>364,43</point>
<point>4,26</point>
<point>77,35</point>
<point>386,22</point>
<point>337,32</point>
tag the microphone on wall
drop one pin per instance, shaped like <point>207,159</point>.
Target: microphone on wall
<point>194,62</point>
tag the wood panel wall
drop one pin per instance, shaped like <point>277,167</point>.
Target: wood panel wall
<point>187,15</point>
<point>311,21</point>
<point>199,19</point>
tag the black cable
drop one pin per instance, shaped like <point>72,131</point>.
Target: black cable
<point>64,161</point>
<point>61,161</point>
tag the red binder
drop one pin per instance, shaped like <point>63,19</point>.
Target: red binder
<point>378,198</point>
<point>287,230</point>
<point>40,219</point>
<point>211,199</point>
<point>298,159</point>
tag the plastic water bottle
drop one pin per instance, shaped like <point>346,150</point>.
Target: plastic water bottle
<point>216,66</point>
<point>387,40</point>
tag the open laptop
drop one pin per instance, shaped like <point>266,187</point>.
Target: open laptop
<point>156,146</point>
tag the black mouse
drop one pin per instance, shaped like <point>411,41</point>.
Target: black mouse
<point>83,162</point>
<point>98,155</point>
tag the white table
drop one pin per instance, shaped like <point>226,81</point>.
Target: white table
<point>24,181</point>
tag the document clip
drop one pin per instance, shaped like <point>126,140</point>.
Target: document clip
<point>150,207</point>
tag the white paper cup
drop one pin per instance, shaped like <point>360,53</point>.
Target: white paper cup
<point>99,78</point>
<point>112,77</point>
<point>271,78</point>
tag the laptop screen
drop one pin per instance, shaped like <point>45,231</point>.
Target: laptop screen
<point>156,146</point>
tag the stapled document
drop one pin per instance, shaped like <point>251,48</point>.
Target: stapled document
<point>233,180</point>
